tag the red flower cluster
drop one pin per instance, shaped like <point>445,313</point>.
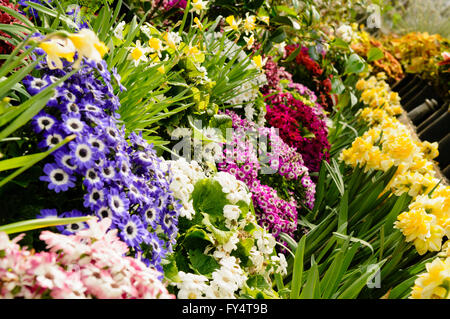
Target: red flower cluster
<point>314,74</point>
<point>5,18</point>
<point>301,126</point>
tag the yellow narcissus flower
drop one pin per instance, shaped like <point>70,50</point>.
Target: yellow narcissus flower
<point>430,150</point>
<point>249,41</point>
<point>361,84</point>
<point>88,45</point>
<point>172,39</point>
<point>198,6</point>
<point>249,23</point>
<point>198,24</point>
<point>233,24</point>
<point>258,61</point>
<point>138,53</point>
<point>191,51</point>
<point>155,45</point>
<point>434,284</point>
<point>400,147</point>
<point>414,224</point>
<point>57,48</point>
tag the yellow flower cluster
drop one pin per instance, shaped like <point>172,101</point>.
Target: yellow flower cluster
<point>435,283</point>
<point>427,221</point>
<point>377,94</point>
<point>389,143</point>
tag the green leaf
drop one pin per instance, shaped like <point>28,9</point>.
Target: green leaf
<point>202,263</point>
<point>374,54</point>
<point>354,64</point>
<point>312,286</point>
<point>41,223</point>
<point>298,269</point>
<point>208,197</point>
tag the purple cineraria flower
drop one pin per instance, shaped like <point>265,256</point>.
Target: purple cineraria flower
<point>84,155</point>
<point>92,178</point>
<point>96,197</point>
<point>150,216</point>
<point>58,178</point>
<point>113,176</point>
<point>72,124</point>
<point>71,229</point>
<point>105,211</point>
<point>34,85</point>
<point>47,213</point>
<point>108,171</point>
<point>51,139</point>
<point>118,201</point>
<point>65,160</point>
<point>132,231</point>
<point>43,122</point>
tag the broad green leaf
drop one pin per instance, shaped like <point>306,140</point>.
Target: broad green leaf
<point>374,54</point>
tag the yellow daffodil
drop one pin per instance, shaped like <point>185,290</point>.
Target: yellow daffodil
<point>198,24</point>
<point>258,61</point>
<point>155,45</point>
<point>249,41</point>
<point>433,284</point>
<point>233,24</point>
<point>198,6</point>
<point>56,49</point>
<point>172,39</point>
<point>249,23</point>
<point>88,45</point>
<point>137,53</point>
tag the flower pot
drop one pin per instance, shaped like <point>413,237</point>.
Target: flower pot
<point>405,99</point>
<point>401,84</point>
<point>426,92</point>
<point>446,172</point>
<point>421,112</point>
<point>432,118</point>
<point>409,86</point>
<point>444,152</point>
<point>438,129</point>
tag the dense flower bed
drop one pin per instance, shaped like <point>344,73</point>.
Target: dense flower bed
<point>202,149</point>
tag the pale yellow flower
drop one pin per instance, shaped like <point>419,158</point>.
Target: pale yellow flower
<point>57,48</point>
<point>233,24</point>
<point>88,45</point>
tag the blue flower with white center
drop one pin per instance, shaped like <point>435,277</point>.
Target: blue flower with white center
<point>71,229</point>
<point>65,160</point>
<point>118,202</point>
<point>65,96</point>
<point>98,144</point>
<point>69,108</point>
<point>72,124</point>
<point>105,212</point>
<point>51,139</point>
<point>47,213</point>
<point>96,197</point>
<point>43,122</point>
<point>34,85</point>
<point>157,247</point>
<point>132,231</point>
<point>84,155</point>
<point>92,179</point>
<point>116,178</point>
<point>108,171</point>
<point>150,216</point>
<point>58,179</point>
